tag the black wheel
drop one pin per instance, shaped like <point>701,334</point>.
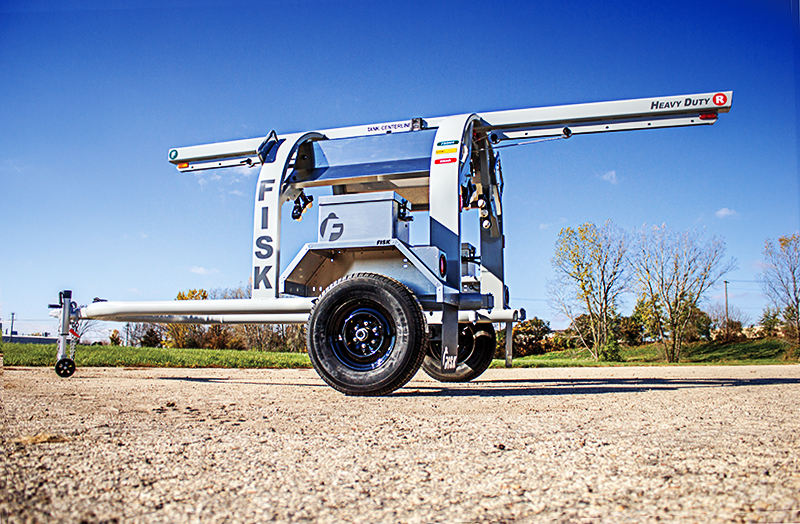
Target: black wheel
<point>65,367</point>
<point>366,335</point>
<point>476,346</point>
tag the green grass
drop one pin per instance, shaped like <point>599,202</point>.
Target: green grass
<point>749,352</point>
<point>102,356</point>
<point>763,351</point>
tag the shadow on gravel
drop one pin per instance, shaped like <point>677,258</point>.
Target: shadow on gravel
<point>581,386</point>
<point>531,387</point>
<point>226,380</point>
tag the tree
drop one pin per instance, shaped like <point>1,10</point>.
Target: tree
<point>85,327</point>
<point>646,311</point>
<point>114,338</point>
<point>187,335</point>
<point>674,269</point>
<point>153,336</point>
<point>770,321</point>
<point>699,326</point>
<point>727,323</point>
<point>259,337</point>
<point>780,279</point>
<point>630,330</point>
<point>529,337</point>
<point>590,277</point>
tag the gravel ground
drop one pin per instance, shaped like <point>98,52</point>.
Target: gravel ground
<point>643,444</point>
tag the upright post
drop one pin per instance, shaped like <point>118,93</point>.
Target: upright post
<point>11,336</point>
<point>509,343</point>
<point>66,310</point>
<point>449,157</point>
<point>727,322</point>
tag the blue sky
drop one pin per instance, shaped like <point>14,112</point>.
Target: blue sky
<point>95,93</point>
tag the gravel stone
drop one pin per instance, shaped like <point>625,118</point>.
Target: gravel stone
<point>640,444</point>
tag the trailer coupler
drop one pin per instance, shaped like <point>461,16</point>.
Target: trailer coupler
<point>65,365</point>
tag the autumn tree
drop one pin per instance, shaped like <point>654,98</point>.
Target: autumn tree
<point>673,270</point>
<point>780,279</point>
<point>187,335</point>
<point>529,337</point>
<point>591,275</point>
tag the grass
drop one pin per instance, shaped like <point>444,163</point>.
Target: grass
<point>762,351</point>
<point>749,352</point>
<point>102,356</point>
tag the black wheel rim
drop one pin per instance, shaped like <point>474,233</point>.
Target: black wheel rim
<point>361,336</point>
<point>65,367</point>
<point>466,345</point>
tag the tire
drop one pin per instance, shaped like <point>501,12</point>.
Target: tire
<point>476,346</point>
<point>366,335</point>
<point>65,367</point>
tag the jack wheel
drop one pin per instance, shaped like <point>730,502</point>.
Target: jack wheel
<point>366,335</point>
<point>65,367</point>
<point>476,346</point>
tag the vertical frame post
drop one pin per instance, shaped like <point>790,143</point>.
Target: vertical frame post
<point>269,198</point>
<point>451,149</point>
<point>509,343</point>
<point>65,297</point>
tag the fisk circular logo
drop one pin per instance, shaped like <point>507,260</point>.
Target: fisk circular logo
<point>720,99</point>
<point>336,229</point>
<point>173,154</point>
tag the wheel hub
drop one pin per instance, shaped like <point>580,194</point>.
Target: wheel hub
<point>365,338</point>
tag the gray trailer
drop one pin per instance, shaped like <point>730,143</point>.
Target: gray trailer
<point>376,307</point>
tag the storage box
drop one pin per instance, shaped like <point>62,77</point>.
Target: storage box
<point>363,217</point>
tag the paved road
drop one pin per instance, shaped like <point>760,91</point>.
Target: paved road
<point>674,444</point>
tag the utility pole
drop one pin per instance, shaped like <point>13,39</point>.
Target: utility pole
<point>12,328</point>
<point>727,322</point>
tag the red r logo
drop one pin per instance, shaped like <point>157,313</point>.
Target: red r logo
<point>720,99</point>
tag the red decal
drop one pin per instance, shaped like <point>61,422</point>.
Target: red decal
<point>720,99</point>
<point>445,160</point>
<point>74,333</point>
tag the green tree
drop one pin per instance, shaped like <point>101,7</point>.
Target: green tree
<point>646,312</point>
<point>699,326</point>
<point>674,269</point>
<point>114,338</point>
<point>780,279</point>
<point>153,336</point>
<point>590,268</point>
<point>770,321</point>
<point>630,330</point>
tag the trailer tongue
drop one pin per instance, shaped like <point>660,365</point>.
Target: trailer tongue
<point>377,307</point>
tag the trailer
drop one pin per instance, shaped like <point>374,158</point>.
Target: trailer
<point>378,308</point>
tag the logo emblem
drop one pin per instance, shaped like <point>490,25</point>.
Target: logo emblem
<point>173,154</point>
<point>720,99</point>
<point>337,228</point>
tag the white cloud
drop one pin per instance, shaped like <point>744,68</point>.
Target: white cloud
<point>725,213</point>
<point>610,177</point>
<point>236,192</point>
<point>205,178</point>
<point>542,227</point>
<point>203,271</point>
